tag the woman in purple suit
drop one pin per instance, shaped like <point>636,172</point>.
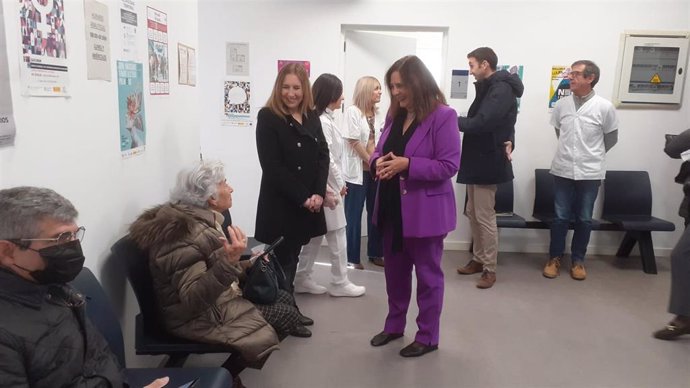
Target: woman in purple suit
<point>418,154</point>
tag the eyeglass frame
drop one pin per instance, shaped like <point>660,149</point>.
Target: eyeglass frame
<point>575,73</point>
<point>76,235</point>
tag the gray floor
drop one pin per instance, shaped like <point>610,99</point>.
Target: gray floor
<point>527,331</point>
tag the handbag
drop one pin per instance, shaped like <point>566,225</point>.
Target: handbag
<point>264,279</point>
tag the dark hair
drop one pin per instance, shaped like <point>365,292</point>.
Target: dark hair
<point>591,68</point>
<point>484,54</point>
<point>426,95</point>
<point>326,89</point>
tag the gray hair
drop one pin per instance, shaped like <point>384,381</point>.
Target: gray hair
<point>591,68</point>
<point>197,184</point>
<point>23,208</point>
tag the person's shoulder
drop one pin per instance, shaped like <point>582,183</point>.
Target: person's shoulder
<point>443,110</point>
<point>353,110</point>
<point>604,103</point>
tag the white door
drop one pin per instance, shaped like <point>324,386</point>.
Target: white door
<point>372,53</point>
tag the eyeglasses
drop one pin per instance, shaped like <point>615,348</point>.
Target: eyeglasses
<point>576,73</point>
<point>62,238</point>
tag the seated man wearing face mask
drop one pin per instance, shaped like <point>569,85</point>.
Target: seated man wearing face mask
<point>45,339</point>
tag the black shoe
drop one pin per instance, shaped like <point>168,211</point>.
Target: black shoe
<point>300,331</point>
<point>383,338</point>
<point>305,320</point>
<point>673,330</point>
<point>377,261</point>
<point>417,349</point>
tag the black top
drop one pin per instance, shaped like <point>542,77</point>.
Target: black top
<point>390,211</point>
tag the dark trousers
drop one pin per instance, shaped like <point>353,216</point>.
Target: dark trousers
<point>287,254</point>
<point>357,196</point>
<point>679,303</point>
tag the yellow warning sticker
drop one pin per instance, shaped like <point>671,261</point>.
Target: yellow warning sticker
<point>655,79</point>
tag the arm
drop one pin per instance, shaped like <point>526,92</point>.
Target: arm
<point>335,176</point>
<point>678,144</point>
<point>12,368</point>
<point>498,102</point>
<point>198,286</point>
<point>446,161</point>
<point>353,129</point>
<point>323,160</point>
<point>610,140</point>
<point>274,169</point>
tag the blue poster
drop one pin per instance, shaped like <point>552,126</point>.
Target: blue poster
<point>130,88</point>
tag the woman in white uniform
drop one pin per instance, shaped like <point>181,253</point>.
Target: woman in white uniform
<point>328,96</point>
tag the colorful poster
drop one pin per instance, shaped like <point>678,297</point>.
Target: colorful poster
<point>7,128</point>
<point>306,64</point>
<point>130,90</point>
<point>44,49</point>
<point>128,21</point>
<point>513,69</point>
<point>459,83</point>
<point>236,107</point>
<point>186,60</point>
<point>560,84</point>
<point>237,59</point>
<point>97,40</point>
<point>157,32</point>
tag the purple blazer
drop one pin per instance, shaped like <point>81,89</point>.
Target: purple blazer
<point>426,189</point>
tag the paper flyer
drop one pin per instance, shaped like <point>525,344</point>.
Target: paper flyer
<point>130,88</point>
<point>97,28</point>
<point>560,84</point>
<point>157,32</point>
<point>236,106</point>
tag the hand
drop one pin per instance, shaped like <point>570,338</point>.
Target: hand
<point>238,245</point>
<point>380,161</point>
<point>392,167</point>
<point>316,203</point>
<point>158,383</point>
<point>343,191</point>
<point>509,150</point>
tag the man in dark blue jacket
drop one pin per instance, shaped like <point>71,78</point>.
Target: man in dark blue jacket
<point>487,143</point>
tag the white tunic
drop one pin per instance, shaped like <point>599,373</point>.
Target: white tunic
<point>357,128</point>
<point>335,219</point>
<point>581,152</point>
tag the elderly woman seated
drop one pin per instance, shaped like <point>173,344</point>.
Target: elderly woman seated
<point>196,269</point>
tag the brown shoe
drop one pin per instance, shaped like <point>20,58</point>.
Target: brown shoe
<point>677,327</point>
<point>578,272</point>
<point>471,268</point>
<point>551,269</point>
<point>487,280</point>
<point>378,261</point>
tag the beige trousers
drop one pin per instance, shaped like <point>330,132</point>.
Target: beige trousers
<point>481,200</point>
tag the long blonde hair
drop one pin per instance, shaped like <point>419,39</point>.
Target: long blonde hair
<point>275,101</point>
<point>364,89</point>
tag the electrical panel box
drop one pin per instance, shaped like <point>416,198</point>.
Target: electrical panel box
<point>651,69</point>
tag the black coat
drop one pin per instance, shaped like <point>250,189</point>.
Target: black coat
<point>676,145</point>
<point>489,123</point>
<point>294,163</point>
<point>46,343</point>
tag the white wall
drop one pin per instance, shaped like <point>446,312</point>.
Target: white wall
<point>536,34</point>
<point>72,144</point>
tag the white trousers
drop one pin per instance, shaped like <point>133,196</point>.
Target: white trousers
<point>337,253</point>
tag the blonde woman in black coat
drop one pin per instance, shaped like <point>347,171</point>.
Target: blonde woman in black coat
<point>294,161</point>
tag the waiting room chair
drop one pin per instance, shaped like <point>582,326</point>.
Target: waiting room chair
<point>628,204</point>
<point>151,338</point>
<point>101,314</point>
<point>505,217</point>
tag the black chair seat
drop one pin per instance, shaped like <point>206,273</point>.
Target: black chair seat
<point>510,221</point>
<point>642,223</point>
<point>596,224</point>
<point>159,342</point>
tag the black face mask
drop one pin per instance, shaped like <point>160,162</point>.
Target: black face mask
<point>62,263</point>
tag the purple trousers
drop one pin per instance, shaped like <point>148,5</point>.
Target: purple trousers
<point>424,254</point>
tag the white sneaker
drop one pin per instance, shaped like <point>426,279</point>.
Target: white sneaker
<point>347,289</point>
<point>309,286</point>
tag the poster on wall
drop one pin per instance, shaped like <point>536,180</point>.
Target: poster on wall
<point>306,64</point>
<point>43,68</point>
<point>236,107</point>
<point>130,94</point>
<point>186,60</point>
<point>128,22</point>
<point>157,32</point>
<point>237,59</point>
<point>459,83</point>
<point>7,128</point>
<point>513,69</point>
<point>560,84</point>
<point>97,40</point>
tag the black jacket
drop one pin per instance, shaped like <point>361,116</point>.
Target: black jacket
<point>676,145</point>
<point>294,163</point>
<point>47,341</point>
<point>489,123</point>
